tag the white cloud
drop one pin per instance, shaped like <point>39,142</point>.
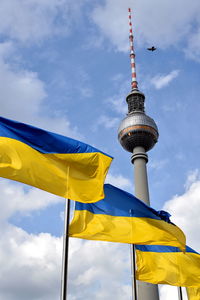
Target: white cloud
<point>106,122</point>
<point>117,78</point>
<point>193,45</point>
<point>160,81</point>
<point>28,20</point>
<point>23,95</point>
<point>112,19</point>
<point>22,92</point>
<point>14,198</point>
<point>83,87</point>
<point>105,268</point>
<point>6,50</point>
<point>118,101</point>
<point>30,265</point>
<point>177,106</point>
<point>158,164</point>
<point>185,210</point>
<point>34,20</point>
<point>154,22</point>
<point>192,177</point>
<point>37,260</point>
<point>118,180</point>
<point>167,292</point>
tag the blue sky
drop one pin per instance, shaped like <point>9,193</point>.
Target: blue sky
<point>65,67</point>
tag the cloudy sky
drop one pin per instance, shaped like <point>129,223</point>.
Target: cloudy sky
<point>64,66</point>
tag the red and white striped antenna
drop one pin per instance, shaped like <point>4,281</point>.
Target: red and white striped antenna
<point>132,54</point>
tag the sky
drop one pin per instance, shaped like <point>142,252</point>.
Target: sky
<point>65,67</point>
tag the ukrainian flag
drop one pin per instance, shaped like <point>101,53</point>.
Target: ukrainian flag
<point>168,265</point>
<point>193,293</point>
<point>120,217</point>
<point>52,162</point>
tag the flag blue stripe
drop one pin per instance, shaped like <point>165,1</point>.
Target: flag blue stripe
<point>119,203</point>
<point>162,249</point>
<point>42,140</point>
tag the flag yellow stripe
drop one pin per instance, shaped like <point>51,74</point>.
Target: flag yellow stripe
<point>77,176</point>
<point>87,225</point>
<point>173,268</point>
<point>193,293</point>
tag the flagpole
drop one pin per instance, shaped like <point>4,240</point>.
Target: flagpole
<point>133,268</point>
<point>63,295</point>
<point>180,294</point>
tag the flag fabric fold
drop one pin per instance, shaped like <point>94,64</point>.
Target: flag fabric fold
<point>121,217</point>
<point>193,293</point>
<point>52,162</point>
<point>168,265</point>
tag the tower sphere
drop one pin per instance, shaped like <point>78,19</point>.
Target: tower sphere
<point>137,129</point>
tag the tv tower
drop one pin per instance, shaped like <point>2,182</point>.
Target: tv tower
<point>138,134</point>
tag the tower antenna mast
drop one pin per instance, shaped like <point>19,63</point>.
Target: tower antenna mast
<point>134,83</point>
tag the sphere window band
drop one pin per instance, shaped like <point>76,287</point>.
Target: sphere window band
<point>135,127</point>
<point>138,135</point>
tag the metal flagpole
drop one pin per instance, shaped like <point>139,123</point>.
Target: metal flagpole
<point>133,265</point>
<point>63,295</point>
<point>133,268</point>
<point>180,294</point>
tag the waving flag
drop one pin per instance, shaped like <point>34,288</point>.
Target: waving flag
<point>52,162</point>
<point>120,217</point>
<point>168,265</point>
<point>193,293</point>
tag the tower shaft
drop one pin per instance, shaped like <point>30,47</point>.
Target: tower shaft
<point>139,158</point>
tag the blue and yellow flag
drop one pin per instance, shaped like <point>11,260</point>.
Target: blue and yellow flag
<point>168,265</point>
<point>193,293</point>
<point>52,162</point>
<point>120,217</point>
